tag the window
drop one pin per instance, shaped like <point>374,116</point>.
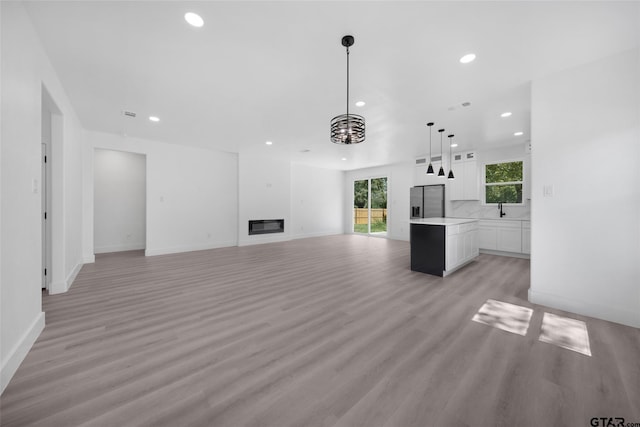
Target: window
<point>370,206</point>
<point>503,182</point>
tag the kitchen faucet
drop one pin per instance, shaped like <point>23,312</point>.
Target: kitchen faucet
<point>500,207</point>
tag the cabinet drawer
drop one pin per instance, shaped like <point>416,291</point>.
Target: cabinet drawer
<point>465,228</point>
<point>496,223</point>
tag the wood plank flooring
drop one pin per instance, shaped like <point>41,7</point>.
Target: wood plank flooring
<point>330,331</point>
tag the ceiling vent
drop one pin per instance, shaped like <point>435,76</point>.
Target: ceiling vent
<point>421,161</point>
<point>129,113</point>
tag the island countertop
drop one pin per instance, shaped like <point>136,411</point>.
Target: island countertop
<point>442,221</point>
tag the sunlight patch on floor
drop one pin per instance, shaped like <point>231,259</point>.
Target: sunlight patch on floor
<point>502,315</point>
<point>566,333</point>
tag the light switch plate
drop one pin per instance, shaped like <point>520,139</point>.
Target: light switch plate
<point>547,190</point>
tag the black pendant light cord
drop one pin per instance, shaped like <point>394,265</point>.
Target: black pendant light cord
<point>348,89</point>
<point>429,124</point>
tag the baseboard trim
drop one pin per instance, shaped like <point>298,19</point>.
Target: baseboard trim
<point>64,285</point>
<point>89,259</point>
<point>599,311</point>
<point>503,253</point>
<point>19,352</point>
<point>319,234</point>
<point>264,238</point>
<point>118,248</point>
<point>188,248</point>
<point>74,273</point>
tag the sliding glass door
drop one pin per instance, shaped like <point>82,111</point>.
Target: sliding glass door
<point>370,206</point>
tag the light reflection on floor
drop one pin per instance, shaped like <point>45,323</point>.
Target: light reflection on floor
<point>562,331</point>
<point>502,315</point>
<point>566,333</point>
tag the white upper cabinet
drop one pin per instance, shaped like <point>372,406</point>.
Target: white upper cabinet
<point>465,168</point>
<point>470,180</point>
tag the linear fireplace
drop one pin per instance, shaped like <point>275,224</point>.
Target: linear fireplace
<point>266,226</point>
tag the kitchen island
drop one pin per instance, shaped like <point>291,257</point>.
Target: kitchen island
<point>440,246</point>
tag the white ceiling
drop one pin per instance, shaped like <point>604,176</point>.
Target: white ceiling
<point>273,70</point>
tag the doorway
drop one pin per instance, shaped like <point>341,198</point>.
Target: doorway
<point>46,229</point>
<point>370,206</point>
<point>120,201</point>
<point>51,142</point>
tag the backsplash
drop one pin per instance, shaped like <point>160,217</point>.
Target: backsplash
<point>473,209</point>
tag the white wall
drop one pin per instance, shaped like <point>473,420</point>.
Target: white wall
<point>585,243</point>
<point>192,194</point>
<point>401,179</point>
<point>264,193</point>
<point>120,198</point>
<point>25,69</point>
<point>317,201</point>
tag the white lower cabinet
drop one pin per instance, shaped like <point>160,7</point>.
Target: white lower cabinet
<point>510,239</point>
<point>526,237</point>
<point>461,245</point>
<point>487,237</point>
<point>501,235</point>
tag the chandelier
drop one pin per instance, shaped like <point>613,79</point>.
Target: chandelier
<point>347,128</point>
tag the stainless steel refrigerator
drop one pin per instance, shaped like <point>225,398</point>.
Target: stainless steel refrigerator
<point>427,201</point>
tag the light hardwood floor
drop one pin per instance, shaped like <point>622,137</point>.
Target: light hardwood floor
<point>330,331</point>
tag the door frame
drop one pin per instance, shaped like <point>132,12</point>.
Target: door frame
<point>369,178</point>
<point>45,189</point>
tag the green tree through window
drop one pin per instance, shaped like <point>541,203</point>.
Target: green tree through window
<point>504,182</point>
<point>361,193</point>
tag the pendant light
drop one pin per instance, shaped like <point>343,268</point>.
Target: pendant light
<point>430,168</point>
<point>347,128</point>
<point>450,157</point>
<point>441,171</point>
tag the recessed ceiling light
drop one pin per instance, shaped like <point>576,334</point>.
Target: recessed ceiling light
<point>468,58</point>
<point>194,19</point>
<point>360,104</point>
<point>505,114</point>
<point>454,145</point>
<point>518,134</point>
<point>269,143</point>
<point>154,119</point>
<point>344,158</point>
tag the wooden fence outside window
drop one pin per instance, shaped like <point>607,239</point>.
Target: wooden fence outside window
<point>361,215</point>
